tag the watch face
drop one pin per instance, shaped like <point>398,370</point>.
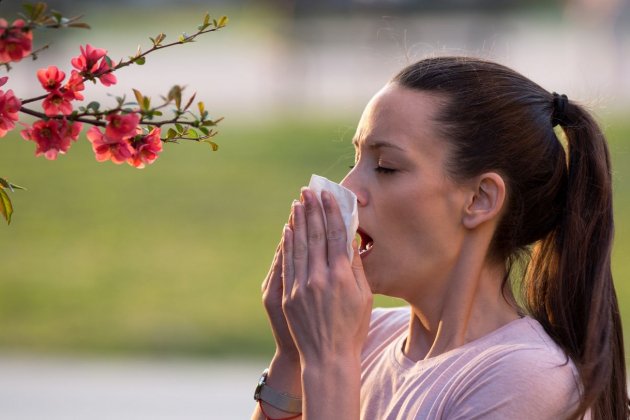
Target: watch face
<point>261,382</point>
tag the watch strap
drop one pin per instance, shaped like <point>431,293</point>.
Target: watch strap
<point>280,400</point>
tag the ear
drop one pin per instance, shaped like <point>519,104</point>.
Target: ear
<point>486,200</point>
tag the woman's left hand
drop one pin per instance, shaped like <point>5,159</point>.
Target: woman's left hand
<point>327,300</point>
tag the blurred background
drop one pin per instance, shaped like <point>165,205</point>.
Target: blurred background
<point>135,294</point>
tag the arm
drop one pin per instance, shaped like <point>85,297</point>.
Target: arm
<point>332,388</point>
<point>284,370</point>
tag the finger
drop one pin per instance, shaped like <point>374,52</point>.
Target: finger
<point>288,273</point>
<point>276,265</point>
<point>315,230</point>
<point>299,250</point>
<point>275,269</point>
<point>335,230</point>
<point>291,213</point>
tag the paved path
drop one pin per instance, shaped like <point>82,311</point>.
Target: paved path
<point>94,389</point>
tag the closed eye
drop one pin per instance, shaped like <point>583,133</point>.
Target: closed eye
<point>384,170</point>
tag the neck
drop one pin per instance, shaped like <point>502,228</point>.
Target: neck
<point>468,305</point>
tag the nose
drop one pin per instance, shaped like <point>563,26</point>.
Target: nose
<point>352,182</point>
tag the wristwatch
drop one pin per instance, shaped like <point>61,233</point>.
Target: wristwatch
<point>279,400</point>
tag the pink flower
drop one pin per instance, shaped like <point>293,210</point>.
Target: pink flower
<point>16,42</point>
<point>106,78</point>
<point>89,65</point>
<point>74,85</point>
<point>87,61</point>
<point>115,149</point>
<point>121,126</point>
<point>9,107</point>
<point>52,137</point>
<point>56,103</point>
<point>146,148</point>
<point>50,78</point>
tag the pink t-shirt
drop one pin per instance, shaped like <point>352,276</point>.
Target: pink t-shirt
<point>515,372</point>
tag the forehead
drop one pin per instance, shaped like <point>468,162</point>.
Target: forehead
<point>400,117</point>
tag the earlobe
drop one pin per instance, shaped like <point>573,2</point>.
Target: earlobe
<point>486,200</point>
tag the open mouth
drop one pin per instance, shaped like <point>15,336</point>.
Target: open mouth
<point>366,244</point>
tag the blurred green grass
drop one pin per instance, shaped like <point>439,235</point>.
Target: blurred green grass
<point>169,260</point>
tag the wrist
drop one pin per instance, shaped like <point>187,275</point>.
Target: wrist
<point>283,377</point>
<point>333,388</point>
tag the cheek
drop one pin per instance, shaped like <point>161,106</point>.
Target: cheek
<point>428,227</point>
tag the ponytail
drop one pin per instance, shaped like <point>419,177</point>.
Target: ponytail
<point>569,287</point>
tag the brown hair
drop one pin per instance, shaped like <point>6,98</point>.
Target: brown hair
<point>559,207</point>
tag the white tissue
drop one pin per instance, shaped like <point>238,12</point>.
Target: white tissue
<point>347,202</point>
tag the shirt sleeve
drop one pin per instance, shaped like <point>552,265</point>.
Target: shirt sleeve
<point>521,384</point>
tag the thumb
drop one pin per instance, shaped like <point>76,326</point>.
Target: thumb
<point>357,266</point>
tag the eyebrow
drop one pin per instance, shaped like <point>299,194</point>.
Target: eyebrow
<point>378,144</point>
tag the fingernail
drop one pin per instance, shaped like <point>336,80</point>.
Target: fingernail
<point>304,194</point>
<point>294,203</point>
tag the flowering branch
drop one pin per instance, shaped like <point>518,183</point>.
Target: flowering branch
<point>130,132</point>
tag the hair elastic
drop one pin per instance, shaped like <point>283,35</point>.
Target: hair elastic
<point>559,107</point>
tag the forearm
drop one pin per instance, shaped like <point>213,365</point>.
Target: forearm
<point>332,389</point>
<point>284,376</point>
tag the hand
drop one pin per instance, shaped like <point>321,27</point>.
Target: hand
<point>272,300</point>
<point>327,300</point>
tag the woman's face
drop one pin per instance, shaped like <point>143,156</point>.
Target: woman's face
<point>410,211</point>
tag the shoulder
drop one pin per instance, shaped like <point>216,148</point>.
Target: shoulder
<point>519,372</point>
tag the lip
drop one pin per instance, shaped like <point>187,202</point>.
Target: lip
<point>365,240</point>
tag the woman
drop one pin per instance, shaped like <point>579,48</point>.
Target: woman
<point>466,194</point>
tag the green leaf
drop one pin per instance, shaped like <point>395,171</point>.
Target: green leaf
<point>35,11</point>
<point>58,17</point>
<point>171,133</point>
<point>94,106</point>
<point>206,19</point>
<point>212,144</point>
<point>6,208</point>
<point>223,21</point>
<point>29,9</point>
<point>159,38</point>
<point>192,134</point>
<point>201,107</point>
<point>139,97</point>
<point>6,184</point>
<point>180,128</point>
<point>81,25</point>
<point>204,130</point>
<point>175,94</point>
<point>190,101</point>
<point>146,103</point>
<point>140,61</point>
<point>40,9</point>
